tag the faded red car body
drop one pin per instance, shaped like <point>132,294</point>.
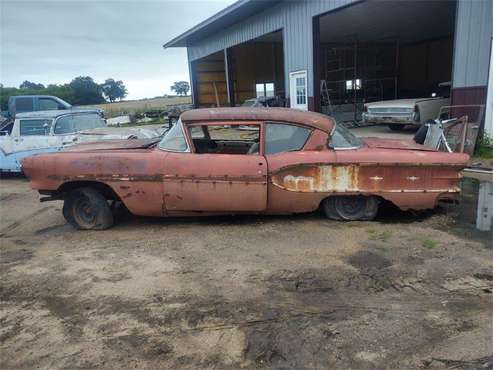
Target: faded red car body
<point>154,182</point>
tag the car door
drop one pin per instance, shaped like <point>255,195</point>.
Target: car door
<point>214,174</point>
<point>33,134</point>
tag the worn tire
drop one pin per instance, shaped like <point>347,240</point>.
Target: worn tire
<point>396,127</point>
<point>87,209</point>
<point>351,207</point>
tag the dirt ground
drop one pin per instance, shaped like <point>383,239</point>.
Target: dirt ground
<point>293,292</point>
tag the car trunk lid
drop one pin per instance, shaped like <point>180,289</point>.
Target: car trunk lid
<point>403,144</point>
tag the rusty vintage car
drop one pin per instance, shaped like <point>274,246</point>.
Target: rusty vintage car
<point>245,160</point>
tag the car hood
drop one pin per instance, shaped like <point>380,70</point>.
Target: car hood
<point>122,133</point>
<point>113,145</point>
<point>403,144</point>
<point>406,103</point>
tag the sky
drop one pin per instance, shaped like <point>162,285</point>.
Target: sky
<point>53,41</point>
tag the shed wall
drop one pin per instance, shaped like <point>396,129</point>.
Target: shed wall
<point>474,29</point>
<point>293,17</point>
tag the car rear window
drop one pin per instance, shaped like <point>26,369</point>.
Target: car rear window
<point>34,127</point>
<point>23,105</point>
<point>280,137</point>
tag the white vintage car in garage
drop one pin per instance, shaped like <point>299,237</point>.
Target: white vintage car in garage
<point>402,112</point>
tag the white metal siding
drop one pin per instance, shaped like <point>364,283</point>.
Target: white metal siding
<point>293,17</point>
<point>472,42</point>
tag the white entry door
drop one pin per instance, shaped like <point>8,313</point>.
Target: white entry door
<point>298,90</point>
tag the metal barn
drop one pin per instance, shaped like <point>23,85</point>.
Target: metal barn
<point>332,56</point>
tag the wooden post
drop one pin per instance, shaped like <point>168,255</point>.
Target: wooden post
<point>316,64</point>
<point>228,69</point>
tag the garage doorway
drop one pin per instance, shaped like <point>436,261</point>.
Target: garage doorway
<point>382,50</point>
<point>256,71</point>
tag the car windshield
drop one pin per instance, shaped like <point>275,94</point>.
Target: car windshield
<point>174,140</point>
<point>72,123</point>
<point>342,138</point>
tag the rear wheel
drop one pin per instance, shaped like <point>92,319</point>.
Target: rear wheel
<point>396,127</point>
<point>351,207</point>
<point>87,209</point>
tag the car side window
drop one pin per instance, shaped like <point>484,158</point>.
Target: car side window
<point>48,104</point>
<point>24,105</point>
<point>226,139</point>
<point>34,127</point>
<point>280,137</point>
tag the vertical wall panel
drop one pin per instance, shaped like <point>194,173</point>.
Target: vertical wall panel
<point>474,29</point>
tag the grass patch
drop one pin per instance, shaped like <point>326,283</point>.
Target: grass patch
<point>381,236</point>
<point>484,148</point>
<point>429,243</point>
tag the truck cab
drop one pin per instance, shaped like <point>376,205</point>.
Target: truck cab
<point>33,103</point>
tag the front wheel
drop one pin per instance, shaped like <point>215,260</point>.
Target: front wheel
<point>351,207</point>
<point>87,209</point>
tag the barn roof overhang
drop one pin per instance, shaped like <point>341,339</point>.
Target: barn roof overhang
<point>234,13</point>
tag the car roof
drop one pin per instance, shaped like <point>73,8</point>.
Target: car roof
<point>35,96</point>
<point>288,115</point>
<point>53,113</point>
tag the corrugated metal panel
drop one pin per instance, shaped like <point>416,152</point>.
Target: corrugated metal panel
<point>472,42</point>
<point>293,17</point>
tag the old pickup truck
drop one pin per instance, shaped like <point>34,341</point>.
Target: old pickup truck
<point>50,131</point>
<point>34,103</point>
<point>245,160</point>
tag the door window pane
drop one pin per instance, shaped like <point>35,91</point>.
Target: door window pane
<point>228,139</point>
<point>259,88</point>
<point>48,104</point>
<point>300,90</point>
<point>35,127</point>
<point>281,137</point>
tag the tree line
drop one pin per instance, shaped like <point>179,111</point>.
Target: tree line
<point>82,90</point>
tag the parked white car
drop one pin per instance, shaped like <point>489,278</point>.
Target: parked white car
<point>51,131</point>
<point>399,113</point>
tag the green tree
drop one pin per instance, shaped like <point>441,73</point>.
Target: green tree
<point>86,91</point>
<point>181,87</point>
<point>31,85</point>
<point>113,90</point>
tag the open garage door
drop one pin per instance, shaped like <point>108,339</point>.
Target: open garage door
<point>257,71</point>
<point>251,73</point>
<point>382,50</point>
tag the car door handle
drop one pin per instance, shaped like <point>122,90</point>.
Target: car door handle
<point>70,142</point>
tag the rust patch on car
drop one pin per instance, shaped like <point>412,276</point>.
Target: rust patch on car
<point>365,179</point>
<point>318,178</point>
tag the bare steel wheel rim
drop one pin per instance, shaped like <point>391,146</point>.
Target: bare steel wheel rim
<point>84,212</point>
<point>350,206</point>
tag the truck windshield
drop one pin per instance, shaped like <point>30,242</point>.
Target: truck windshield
<point>342,139</point>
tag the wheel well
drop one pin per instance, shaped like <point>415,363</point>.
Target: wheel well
<point>101,187</point>
<point>381,199</point>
